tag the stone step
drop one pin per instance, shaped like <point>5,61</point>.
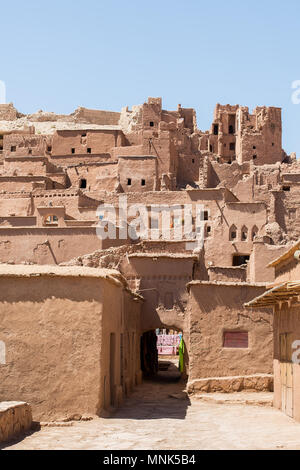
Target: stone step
<point>256,383</point>
<point>240,398</point>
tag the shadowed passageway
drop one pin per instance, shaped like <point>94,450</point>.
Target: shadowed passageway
<point>161,396</point>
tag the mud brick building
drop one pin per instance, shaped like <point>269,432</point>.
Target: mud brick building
<point>56,171</point>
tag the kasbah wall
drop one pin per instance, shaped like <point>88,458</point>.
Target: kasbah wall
<point>56,170</point>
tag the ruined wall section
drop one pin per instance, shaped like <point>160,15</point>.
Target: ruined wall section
<point>284,207</point>
<point>168,135</point>
<point>8,112</point>
<point>259,136</point>
<point>171,136</point>
<point>25,144</point>
<point>221,139</point>
<point>95,116</point>
<point>235,134</point>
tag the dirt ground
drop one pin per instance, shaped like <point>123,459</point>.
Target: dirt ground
<point>159,416</point>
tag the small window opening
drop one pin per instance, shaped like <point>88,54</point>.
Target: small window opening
<point>49,148</point>
<point>244,234</point>
<point>82,184</point>
<point>254,157</point>
<point>143,182</point>
<point>231,123</point>
<point>50,220</point>
<point>89,150</point>
<point>273,144</point>
<point>254,232</point>
<point>128,181</point>
<point>73,150</point>
<point>233,233</point>
<point>254,147</point>
<point>151,124</point>
<point>205,215</point>
<point>211,149</point>
<point>13,148</point>
<point>292,214</point>
<point>236,339</point>
<point>232,146</point>
<point>286,188</point>
<point>30,151</point>
<point>216,129</point>
<point>193,160</point>
<point>83,135</point>
<point>240,260</point>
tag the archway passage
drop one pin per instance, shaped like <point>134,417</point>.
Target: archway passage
<point>162,393</point>
<point>162,355</point>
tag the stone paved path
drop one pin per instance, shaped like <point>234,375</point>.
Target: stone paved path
<point>151,419</point>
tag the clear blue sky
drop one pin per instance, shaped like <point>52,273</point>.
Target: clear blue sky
<point>103,54</point>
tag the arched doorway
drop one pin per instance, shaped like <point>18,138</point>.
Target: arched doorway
<point>163,355</point>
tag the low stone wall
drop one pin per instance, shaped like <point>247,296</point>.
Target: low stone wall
<point>255,383</point>
<point>15,419</point>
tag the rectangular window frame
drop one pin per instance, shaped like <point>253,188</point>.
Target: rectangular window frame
<point>235,339</point>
